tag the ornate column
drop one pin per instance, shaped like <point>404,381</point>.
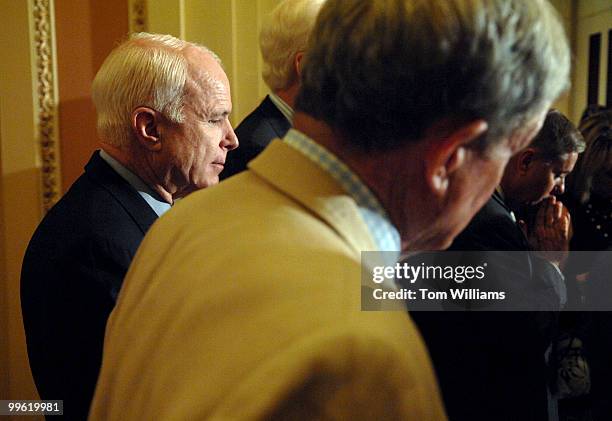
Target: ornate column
<point>46,100</point>
<point>138,15</point>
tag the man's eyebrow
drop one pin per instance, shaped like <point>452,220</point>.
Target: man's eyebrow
<point>218,114</point>
<point>223,113</point>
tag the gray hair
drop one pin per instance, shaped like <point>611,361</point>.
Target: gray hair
<point>557,137</point>
<point>146,70</point>
<point>285,33</point>
<point>382,71</point>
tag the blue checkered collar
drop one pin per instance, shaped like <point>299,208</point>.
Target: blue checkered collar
<point>385,235</point>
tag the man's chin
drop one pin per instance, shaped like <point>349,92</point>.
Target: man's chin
<point>197,186</point>
<point>211,180</point>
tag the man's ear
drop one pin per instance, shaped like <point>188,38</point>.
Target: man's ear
<point>297,63</point>
<point>524,160</point>
<point>448,149</point>
<point>145,125</point>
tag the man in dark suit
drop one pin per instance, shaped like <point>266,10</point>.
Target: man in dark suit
<point>492,365</point>
<point>163,107</point>
<point>282,41</point>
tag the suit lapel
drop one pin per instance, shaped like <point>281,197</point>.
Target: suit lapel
<point>500,200</point>
<point>521,235</point>
<point>304,181</point>
<point>279,124</point>
<point>102,174</point>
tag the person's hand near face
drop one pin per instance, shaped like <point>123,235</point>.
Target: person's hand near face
<point>550,234</point>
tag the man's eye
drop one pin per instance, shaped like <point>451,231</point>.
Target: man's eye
<point>215,121</point>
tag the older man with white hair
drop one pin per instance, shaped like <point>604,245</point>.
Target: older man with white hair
<point>162,107</point>
<point>282,41</point>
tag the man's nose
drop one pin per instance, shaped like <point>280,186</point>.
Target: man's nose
<point>230,141</point>
<point>559,189</point>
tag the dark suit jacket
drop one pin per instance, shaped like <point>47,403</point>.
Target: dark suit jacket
<point>254,133</point>
<point>71,275</point>
<point>491,365</point>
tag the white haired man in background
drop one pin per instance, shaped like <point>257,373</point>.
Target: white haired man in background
<point>162,106</point>
<point>282,40</point>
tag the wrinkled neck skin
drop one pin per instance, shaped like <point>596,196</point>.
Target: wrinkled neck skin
<point>289,94</point>
<point>137,162</point>
<point>378,171</point>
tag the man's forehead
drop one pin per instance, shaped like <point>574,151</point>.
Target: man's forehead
<point>208,96</point>
<point>195,54</point>
<point>559,163</point>
<point>208,86</point>
<point>567,160</point>
<point>204,67</point>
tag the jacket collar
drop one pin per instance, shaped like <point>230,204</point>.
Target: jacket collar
<point>300,178</point>
<point>100,173</point>
<point>277,120</point>
<point>498,196</point>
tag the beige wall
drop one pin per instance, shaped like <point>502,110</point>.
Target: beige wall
<point>230,28</point>
<point>20,188</point>
<point>4,345</point>
<point>86,32</point>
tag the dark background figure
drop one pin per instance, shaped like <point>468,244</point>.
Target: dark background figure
<point>491,365</point>
<point>590,187</point>
<point>589,278</point>
<point>282,41</point>
<point>598,341</point>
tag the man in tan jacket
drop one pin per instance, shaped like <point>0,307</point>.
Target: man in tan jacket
<point>243,302</point>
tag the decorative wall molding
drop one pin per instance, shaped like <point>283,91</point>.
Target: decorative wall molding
<point>138,16</point>
<point>46,100</point>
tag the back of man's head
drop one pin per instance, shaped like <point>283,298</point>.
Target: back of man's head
<point>284,34</point>
<point>146,70</point>
<point>382,72</point>
<point>557,137</point>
